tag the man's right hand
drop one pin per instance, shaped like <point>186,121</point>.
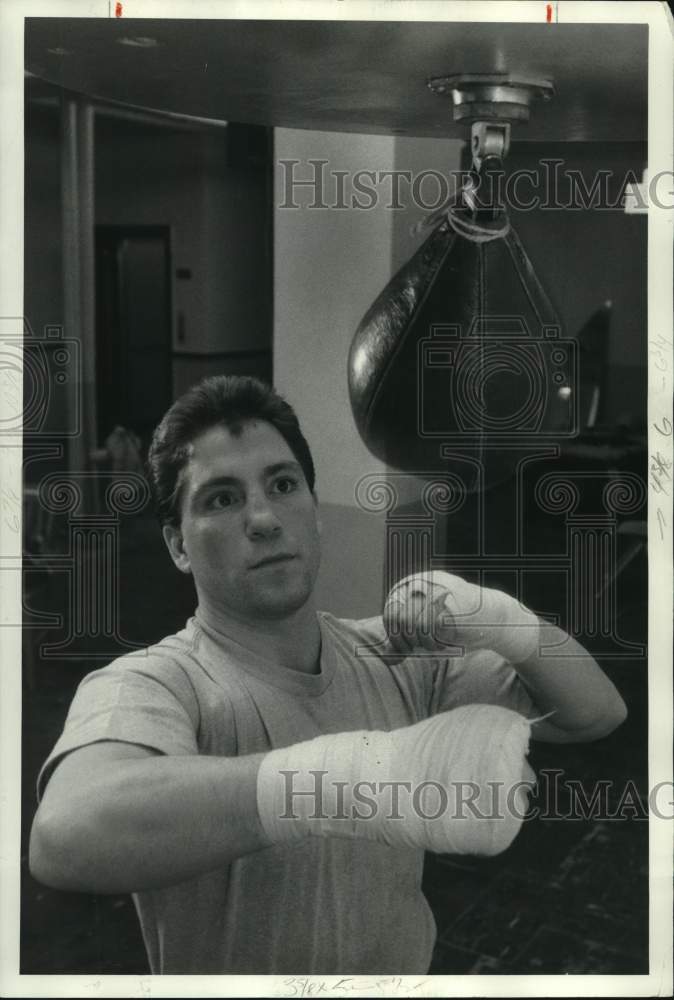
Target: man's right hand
<point>117,817</point>
<point>454,783</point>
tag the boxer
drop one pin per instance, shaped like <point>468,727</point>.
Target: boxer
<point>265,781</point>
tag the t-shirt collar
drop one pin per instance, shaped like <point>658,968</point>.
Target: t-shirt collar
<point>267,670</point>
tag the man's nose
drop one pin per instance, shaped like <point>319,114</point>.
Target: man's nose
<point>261,520</point>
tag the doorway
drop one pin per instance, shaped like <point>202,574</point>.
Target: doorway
<point>133,327</point>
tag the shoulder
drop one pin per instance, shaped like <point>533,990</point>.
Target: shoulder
<point>169,667</point>
<point>145,698</point>
<point>179,647</point>
<point>369,631</point>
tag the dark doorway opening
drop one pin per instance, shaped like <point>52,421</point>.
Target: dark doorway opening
<point>133,327</point>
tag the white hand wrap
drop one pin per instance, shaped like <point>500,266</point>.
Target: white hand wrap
<point>450,784</point>
<point>450,611</point>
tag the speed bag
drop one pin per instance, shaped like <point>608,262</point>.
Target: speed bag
<point>461,355</point>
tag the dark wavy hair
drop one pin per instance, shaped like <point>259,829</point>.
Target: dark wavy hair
<point>227,400</point>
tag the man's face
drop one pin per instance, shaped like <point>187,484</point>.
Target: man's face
<point>249,532</point>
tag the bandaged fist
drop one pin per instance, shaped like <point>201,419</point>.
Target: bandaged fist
<point>437,611</point>
<point>457,783</point>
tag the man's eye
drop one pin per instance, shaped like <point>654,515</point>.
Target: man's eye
<point>286,484</point>
<point>221,500</point>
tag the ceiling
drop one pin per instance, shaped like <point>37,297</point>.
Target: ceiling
<point>352,76</point>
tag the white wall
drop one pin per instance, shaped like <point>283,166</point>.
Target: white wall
<point>329,265</point>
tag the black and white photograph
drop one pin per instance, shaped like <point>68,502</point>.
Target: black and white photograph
<point>336,522</point>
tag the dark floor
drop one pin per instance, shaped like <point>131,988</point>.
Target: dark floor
<point>570,895</point>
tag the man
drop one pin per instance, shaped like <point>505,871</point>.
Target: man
<point>266,781</point>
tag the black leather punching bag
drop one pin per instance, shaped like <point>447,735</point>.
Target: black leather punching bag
<point>461,354</point>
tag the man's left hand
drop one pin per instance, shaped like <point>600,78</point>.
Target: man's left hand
<point>437,611</point>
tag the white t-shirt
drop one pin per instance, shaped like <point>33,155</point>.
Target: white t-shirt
<point>321,905</point>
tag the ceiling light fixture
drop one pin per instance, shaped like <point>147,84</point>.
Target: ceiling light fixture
<point>139,42</point>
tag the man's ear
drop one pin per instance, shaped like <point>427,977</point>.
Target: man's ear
<point>173,537</point>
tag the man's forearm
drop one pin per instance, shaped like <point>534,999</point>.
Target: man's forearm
<point>120,818</point>
<point>435,609</point>
<point>146,823</point>
<point>567,682</point>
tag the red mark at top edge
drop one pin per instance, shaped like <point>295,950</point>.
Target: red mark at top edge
<point>548,12</point>
<point>118,9</point>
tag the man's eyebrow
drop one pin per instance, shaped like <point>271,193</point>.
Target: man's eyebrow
<point>286,466</point>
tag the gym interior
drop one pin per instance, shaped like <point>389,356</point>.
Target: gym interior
<point>180,225</point>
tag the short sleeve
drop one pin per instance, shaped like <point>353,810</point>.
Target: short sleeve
<point>146,700</point>
<point>479,677</point>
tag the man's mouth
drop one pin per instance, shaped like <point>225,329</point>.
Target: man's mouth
<point>271,560</point>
